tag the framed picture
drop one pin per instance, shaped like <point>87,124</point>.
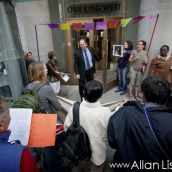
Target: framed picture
<point>118,50</point>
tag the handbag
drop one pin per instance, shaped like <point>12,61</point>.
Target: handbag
<point>153,133</point>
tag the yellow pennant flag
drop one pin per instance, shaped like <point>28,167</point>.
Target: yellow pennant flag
<point>124,22</point>
<point>65,26</point>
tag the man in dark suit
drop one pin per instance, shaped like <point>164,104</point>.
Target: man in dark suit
<point>84,64</point>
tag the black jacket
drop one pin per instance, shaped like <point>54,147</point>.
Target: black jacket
<point>79,63</point>
<point>130,134</point>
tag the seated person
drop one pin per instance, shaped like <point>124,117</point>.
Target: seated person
<point>13,157</point>
<point>132,129</point>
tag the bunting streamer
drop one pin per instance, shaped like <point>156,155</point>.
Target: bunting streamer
<point>40,22</point>
<point>125,22</point>
<point>101,25</point>
<point>98,25</point>
<point>113,24</point>
<point>76,26</point>
<point>89,26</point>
<point>137,19</point>
<point>65,26</point>
<point>53,26</point>
<point>150,17</point>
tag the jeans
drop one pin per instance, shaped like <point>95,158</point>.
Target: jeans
<point>122,77</point>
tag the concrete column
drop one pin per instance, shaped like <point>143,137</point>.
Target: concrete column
<point>9,55</point>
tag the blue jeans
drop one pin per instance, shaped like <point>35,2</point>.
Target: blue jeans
<point>122,77</point>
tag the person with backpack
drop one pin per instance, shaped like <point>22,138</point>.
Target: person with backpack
<point>13,157</point>
<point>93,117</point>
<point>48,104</point>
<point>38,75</point>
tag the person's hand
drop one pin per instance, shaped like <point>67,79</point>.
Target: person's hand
<point>4,107</point>
<point>78,76</point>
<point>57,72</point>
<point>61,76</point>
<point>5,120</point>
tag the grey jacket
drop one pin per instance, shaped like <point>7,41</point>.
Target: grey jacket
<point>47,98</point>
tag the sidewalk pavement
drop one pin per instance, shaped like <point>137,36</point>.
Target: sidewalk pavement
<point>72,92</point>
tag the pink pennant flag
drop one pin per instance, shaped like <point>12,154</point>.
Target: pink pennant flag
<point>101,25</point>
<point>151,17</point>
<point>137,19</point>
<point>89,26</point>
<point>40,22</point>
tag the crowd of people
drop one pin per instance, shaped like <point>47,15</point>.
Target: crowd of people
<point>133,64</point>
<point>139,130</point>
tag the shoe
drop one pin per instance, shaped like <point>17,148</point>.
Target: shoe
<point>122,93</point>
<point>131,98</point>
<point>117,91</point>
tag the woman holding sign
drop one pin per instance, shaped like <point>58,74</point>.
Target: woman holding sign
<point>48,104</point>
<point>14,157</point>
<point>123,67</point>
<point>137,59</point>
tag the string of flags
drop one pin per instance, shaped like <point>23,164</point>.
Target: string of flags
<point>99,25</point>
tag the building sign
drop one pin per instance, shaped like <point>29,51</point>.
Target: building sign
<point>93,9</point>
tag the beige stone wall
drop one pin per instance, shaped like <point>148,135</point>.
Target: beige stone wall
<point>28,14</point>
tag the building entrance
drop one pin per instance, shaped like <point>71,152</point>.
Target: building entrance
<point>102,41</point>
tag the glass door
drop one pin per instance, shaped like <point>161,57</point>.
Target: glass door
<point>110,38</point>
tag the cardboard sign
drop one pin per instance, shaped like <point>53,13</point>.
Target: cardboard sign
<point>43,130</point>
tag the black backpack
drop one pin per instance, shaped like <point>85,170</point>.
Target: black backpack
<point>76,145</point>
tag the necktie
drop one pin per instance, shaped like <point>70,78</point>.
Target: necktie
<point>87,60</point>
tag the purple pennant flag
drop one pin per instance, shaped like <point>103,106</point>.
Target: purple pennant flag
<point>53,26</point>
<point>137,19</point>
<point>89,26</point>
<point>101,25</point>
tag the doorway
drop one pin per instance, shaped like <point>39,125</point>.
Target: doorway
<point>102,41</point>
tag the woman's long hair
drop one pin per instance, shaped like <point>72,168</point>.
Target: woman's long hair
<point>36,71</point>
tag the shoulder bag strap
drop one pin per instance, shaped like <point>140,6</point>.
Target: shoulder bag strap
<point>76,107</point>
<point>150,125</point>
<point>37,87</point>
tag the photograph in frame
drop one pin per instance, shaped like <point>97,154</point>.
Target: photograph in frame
<point>118,50</point>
